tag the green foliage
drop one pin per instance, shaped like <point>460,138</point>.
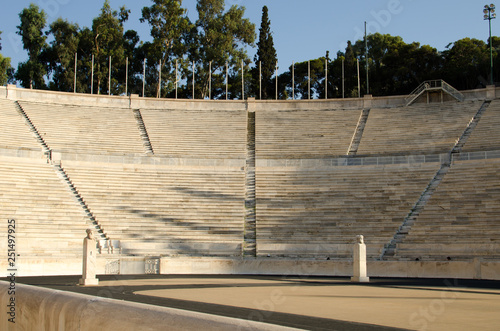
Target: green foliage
<point>170,27</point>
<point>6,70</point>
<point>266,56</point>
<point>301,78</point>
<point>109,42</point>
<point>220,37</point>
<point>465,61</point>
<point>396,67</point>
<point>31,72</point>
<point>61,54</point>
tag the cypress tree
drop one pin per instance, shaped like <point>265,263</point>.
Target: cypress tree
<point>266,55</point>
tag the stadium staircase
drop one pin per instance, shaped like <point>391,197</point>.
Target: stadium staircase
<point>48,222</point>
<point>358,134</point>
<point>432,86</point>
<point>98,231</point>
<point>486,137</point>
<point>14,134</point>
<point>249,245</point>
<point>390,248</point>
<point>34,130</point>
<point>460,222</point>
<point>144,133</point>
<point>470,127</point>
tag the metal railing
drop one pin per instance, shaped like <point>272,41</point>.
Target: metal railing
<point>379,160</point>
<point>452,91</point>
<point>433,85</point>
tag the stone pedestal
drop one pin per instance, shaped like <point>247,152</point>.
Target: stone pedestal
<point>89,261</point>
<point>359,262</point>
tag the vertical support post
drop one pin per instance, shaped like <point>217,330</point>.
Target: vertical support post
<point>366,59</point>
<point>126,76</point>
<point>76,63</point>
<point>491,54</point>
<point>276,74</point>
<point>242,81</point>
<point>343,79</point>
<point>309,80</point>
<point>260,80</point>
<point>92,77</point>
<point>109,77</point>
<point>158,94</point>
<point>326,78</point>
<point>193,80</point>
<point>293,80</point>
<point>143,77</point>
<point>359,81</point>
<point>210,80</point>
<point>227,79</point>
<point>176,76</point>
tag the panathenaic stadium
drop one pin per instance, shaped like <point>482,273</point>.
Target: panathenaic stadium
<point>267,188</point>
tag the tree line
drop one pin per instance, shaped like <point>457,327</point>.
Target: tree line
<point>394,67</point>
<point>211,55</point>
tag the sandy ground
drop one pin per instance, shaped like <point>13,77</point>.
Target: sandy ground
<point>313,303</point>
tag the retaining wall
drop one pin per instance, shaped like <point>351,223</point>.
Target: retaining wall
<point>471,269</point>
<point>135,102</point>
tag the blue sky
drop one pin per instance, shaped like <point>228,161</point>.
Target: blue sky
<point>302,29</point>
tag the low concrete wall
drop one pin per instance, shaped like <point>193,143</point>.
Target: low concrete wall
<point>148,160</point>
<point>135,102</point>
<point>46,309</point>
<point>476,269</point>
<point>128,265</point>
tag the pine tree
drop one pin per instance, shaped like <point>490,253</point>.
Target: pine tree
<point>266,56</point>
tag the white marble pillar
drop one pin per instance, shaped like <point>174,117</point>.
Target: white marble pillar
<point>359,261</point>
<point>89,260</point>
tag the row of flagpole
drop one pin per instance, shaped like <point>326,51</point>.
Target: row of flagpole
<point>226,79</point>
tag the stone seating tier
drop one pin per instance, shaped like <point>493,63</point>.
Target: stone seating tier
<point>304,134</point>
<point>486,136</point>
<point>463,212</point>
<point>49,223</point>
<point>91,130</point>
<point>163,206</point>
<point>197,134</point>
<point>417,129</point>
<point>299,211</point>
<point>15,133</point>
